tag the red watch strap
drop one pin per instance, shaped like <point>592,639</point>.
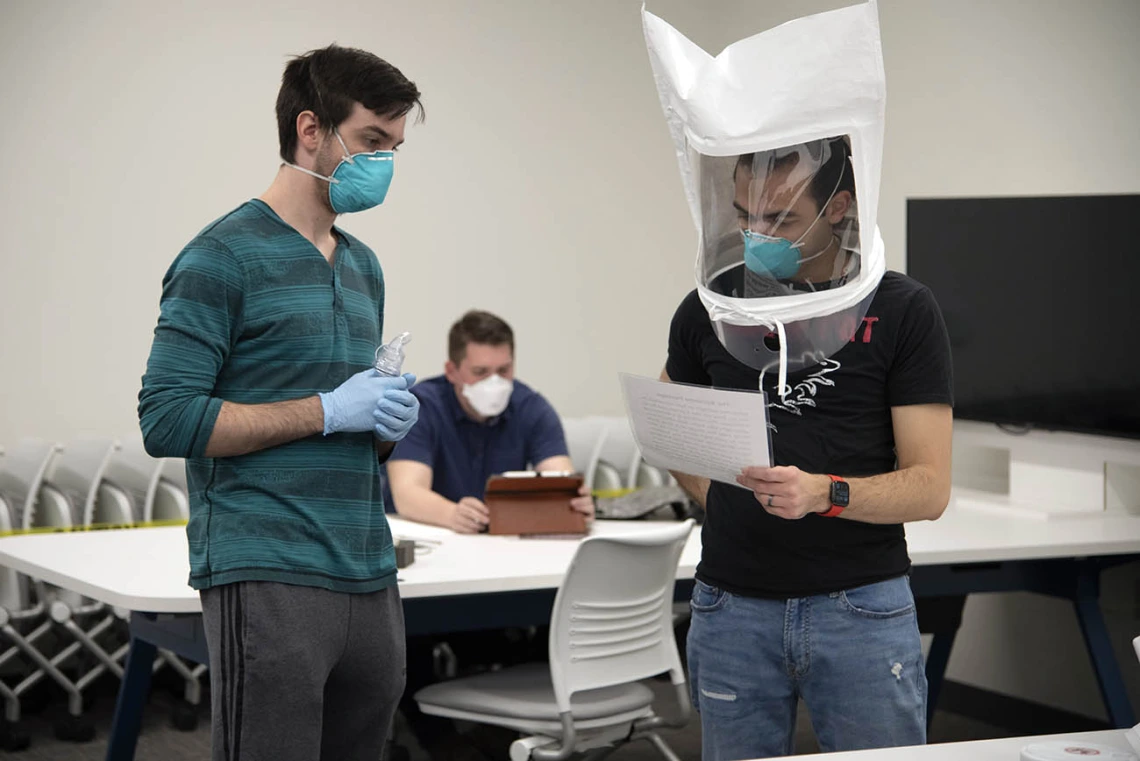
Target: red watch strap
<point>834,510</point>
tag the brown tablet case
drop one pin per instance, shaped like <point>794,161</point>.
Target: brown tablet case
<point>534,504</point>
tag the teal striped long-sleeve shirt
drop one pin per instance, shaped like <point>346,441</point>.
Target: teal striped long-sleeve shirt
<point>252,312</point>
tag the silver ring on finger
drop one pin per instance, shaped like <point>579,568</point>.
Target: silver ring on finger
<point>770,497</point>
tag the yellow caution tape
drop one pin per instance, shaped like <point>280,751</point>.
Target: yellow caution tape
<point>611,493</point>
<point>93,527</point>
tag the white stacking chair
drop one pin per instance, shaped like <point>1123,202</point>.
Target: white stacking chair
<point>76,478</point>
<point>12,738</point>
<point>21,479</point>
<point>171,501</point>
<point>23,613</point>
<point>133,473</point>
<point>12,593</point>
<point>620,450</point>
<point>156,488</point>
<point>611,627</point>
<point>585,438</point>
<point>78,474</point>
<point>22,474</point>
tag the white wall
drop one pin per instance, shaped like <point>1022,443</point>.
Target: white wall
<point>542,185</point>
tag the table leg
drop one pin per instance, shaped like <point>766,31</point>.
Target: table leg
<point>1099,644</point>
<point>132,697</point>
<point>941,616</point>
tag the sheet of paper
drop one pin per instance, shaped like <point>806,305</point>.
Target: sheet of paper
<point>701,431</point>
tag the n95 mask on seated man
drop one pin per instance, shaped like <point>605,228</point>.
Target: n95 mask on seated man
<point>490,396</point>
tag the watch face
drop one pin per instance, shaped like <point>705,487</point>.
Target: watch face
<point>840,493</point>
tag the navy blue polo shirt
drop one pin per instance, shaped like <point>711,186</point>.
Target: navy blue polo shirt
<point>463,453</point>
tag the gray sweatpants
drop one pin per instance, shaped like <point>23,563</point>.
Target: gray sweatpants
<point>302,673</point>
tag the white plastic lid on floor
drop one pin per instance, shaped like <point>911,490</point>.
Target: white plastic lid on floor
<point>1073,751</point>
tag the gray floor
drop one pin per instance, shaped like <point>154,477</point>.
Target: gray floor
<point>161,742</point>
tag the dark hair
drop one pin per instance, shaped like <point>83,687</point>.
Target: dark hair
<point>329,80</point>
<point>478,328</point>
<point>835,171</point>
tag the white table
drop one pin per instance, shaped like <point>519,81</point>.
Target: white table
<point>147,570</point>
<point>485,581</point>
<point>1005,749</point>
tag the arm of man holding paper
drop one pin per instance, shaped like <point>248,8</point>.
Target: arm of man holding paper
<point>918,490</point>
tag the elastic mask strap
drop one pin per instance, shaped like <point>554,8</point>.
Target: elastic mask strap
<point>348,156</point>
<point>842,174</point>
<point>330,180</point>
<point>782,378</point>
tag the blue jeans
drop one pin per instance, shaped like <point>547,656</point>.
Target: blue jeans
<point>853,656</point>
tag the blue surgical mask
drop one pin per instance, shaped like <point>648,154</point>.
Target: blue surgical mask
<point>360,181</point>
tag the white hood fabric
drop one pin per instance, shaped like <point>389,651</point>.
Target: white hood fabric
<point>809,79</point>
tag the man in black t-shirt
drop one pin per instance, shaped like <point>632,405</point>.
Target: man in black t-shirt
<point>797,595</point>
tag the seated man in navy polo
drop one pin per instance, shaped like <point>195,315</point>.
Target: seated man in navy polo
<point>475,421</point>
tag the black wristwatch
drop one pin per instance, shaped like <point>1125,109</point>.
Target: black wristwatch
<point>840,496</point>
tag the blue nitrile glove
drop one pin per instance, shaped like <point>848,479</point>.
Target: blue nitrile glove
<point>349,407</point>
<point>397,412</point>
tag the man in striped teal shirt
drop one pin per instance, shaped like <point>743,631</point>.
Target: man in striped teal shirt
<point>260,375</point>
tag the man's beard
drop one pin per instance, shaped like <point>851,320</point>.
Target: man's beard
<point>328,158</point>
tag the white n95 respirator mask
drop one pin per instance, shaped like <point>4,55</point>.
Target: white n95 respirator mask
<point>490,396</point>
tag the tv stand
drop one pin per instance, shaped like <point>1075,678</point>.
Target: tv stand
<point>1045,474</point>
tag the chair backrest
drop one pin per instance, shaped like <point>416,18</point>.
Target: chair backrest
<point>608,480</point>
<point>584,439</point>
<point>171,500</point>
<point>22,473</point>
<point>620,449</point>
<point>6,521</point>
<point>613,615</point>
<point>170,503</point>
<point>53,510</point>
<point>136,473</point>
<point>649,476</point>
<point>114,507</point>
<point>78,471</point>
<point>174,471</point>
<point>13,590</point>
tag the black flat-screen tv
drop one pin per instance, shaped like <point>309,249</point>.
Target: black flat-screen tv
<point>1041,298</point>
